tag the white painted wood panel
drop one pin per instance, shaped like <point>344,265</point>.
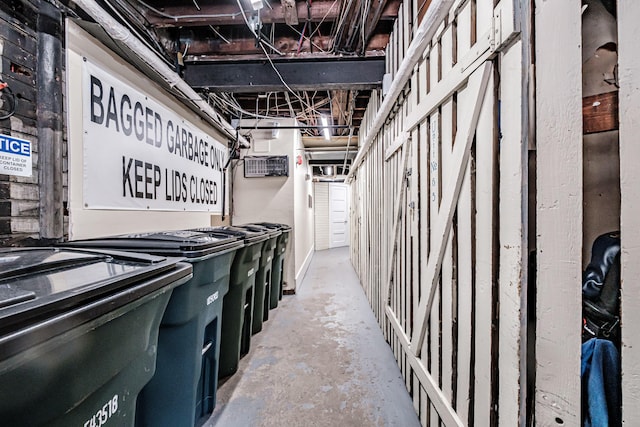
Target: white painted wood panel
<point>446,54</point>
<point>433,356</point>
<point>465,293</point>
<point>441,312</point>
<point>446,292</point>
<point>464,30</point>
<point>414,206</point>
<point>442,226</point>
<point>559,211</point>
<point>321,214</point>
<point>629,72</point>
<point>512,237</point>
<point>485,248</point>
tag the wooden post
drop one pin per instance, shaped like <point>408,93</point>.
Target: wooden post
<point>559,211</point>
<point>512,236</point>
<point>629,72</point>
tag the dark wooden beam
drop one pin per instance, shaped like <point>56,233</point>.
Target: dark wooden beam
<point>378,6</point>
<point>247,46</point>
<point>378,42</point>
<point>600,112</point>
<point>391,9</point>
<point>218,15</point>
<point>359,73</point>
<point>215,50</point>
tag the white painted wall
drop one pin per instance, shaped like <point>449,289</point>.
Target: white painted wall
<point>87,223</point>
<point>303,207</point>
<point>278,199</point>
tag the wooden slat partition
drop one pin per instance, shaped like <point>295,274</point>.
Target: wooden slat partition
<point>442,221</point>
<point>426,189</point>
<point>443,204</point>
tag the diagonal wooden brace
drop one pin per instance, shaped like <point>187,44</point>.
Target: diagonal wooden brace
<point>442,227</point>
<point>396,218</point>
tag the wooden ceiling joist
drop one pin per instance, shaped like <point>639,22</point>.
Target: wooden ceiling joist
<point>220,15</point>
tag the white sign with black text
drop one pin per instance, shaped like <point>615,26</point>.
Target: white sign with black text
<point>140,155</point>
<point>15,156</point>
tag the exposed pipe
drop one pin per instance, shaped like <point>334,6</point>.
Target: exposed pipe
<point>435,14</point>
<point>346,155</point>
<point>178,17</point>
<point>50,121</point>
<point>293,127</point>
<point>121,34</point>
<point>302,37</point>
<point>325,150</point>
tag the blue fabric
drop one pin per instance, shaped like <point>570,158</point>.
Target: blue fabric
<point>601,393</point>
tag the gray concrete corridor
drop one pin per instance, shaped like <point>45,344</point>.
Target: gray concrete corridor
<point>320,360</point>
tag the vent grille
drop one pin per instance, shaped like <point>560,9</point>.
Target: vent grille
<point>259,167</point>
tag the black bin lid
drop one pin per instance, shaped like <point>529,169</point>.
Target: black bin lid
<point>283,227</point>
<point>249,236</point>
<point>272,231</point>
<point>186,243</point>
<point>37,284</point>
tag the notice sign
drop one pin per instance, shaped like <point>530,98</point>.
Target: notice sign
<point>15,156</point>
<point>138,154</point>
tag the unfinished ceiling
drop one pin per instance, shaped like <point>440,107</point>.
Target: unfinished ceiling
<point>315,60</point>
<point>309,58</point>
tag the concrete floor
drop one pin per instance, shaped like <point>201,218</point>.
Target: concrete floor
<point>320,360</point>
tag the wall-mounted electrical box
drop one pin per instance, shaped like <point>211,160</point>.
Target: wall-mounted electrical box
<point>262,166</point>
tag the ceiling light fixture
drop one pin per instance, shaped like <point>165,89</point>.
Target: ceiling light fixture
<point>325,129</point>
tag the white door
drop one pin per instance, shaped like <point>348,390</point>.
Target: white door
<point>338,215</point>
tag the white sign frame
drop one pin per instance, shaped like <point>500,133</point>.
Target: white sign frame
<point>140,155</point>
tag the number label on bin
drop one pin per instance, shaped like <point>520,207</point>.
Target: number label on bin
<point>250,273</point>
<point>103,414</point>
<point>212,298</point>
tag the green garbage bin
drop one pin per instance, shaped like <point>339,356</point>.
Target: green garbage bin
<point>263,276</point>
<point>237,310</point>
<point>78,333</point>
<point>277,271</point>
<point>185,383</point>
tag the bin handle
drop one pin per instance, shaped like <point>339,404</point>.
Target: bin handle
<point>207,347</point>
